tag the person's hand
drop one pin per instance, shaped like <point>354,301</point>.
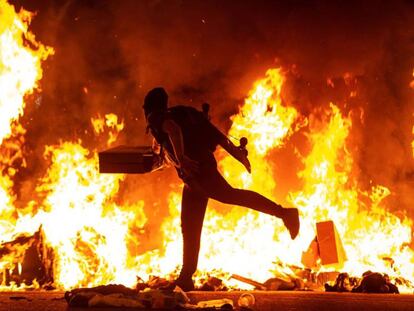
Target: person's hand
<point>245,161</point>
<point>241,156</point>
<point>189,167</point>
<point>156,147</point>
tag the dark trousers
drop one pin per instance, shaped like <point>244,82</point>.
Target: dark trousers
<point>196,192</point>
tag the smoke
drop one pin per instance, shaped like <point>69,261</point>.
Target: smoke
<point>212,51</point>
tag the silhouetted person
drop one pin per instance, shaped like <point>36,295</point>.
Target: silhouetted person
<point>189,140</point>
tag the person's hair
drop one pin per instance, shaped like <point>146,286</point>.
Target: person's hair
<point>155,100</point>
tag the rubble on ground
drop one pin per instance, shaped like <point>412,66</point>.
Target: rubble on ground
<point>371,282</point>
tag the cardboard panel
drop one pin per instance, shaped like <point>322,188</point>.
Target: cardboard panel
<point>331,250</point>
<point>311,255</point>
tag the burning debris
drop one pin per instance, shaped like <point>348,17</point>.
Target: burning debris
<point>275,283</point>
<point>371,282</point>
<point>326,247</point>
<point>161,294</point>
<point>123,297</point>
<point>29,261</point>
<point>110,295</point>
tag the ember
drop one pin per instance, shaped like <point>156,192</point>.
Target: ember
<point>65,225</point>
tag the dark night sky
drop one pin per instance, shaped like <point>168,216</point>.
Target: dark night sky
<point>214,50</point>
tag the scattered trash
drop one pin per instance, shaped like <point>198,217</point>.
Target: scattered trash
<point>371,282</point>
<point>243,279</point>
<point>374,282</point>
<point>213,284</point>
<point>343,283</point>
<point>120,296</point>
<point>275,283</point>
<point>279,284</point>
<point>246,301</point>
<point>222,304</point>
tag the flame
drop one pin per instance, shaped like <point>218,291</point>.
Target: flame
<point>412,144</point>
<point>248,243</point>
<point>20,70</point>
<point>20,64</point>
<point>111,123</point>
<point>93,236</point>
<point>412,82</point>
<point>369,232</point>
<point>266,123</point>
<point>88,231</point>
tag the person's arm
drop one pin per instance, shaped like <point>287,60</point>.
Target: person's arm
<point>156,147</point>
<point>236,152</point>
<point>187,165</point>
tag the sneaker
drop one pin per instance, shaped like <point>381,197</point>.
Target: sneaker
<point>291,221</point>
<point>185,284</point>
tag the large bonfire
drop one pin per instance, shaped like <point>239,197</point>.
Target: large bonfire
<point>89,232</point>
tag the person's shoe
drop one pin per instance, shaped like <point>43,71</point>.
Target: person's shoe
<point>185,284</point>
<point>291,221</point>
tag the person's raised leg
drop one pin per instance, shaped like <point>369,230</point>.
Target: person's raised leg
<point>217,188</point>
<point>193,208</point>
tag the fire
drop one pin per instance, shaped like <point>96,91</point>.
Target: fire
<point>20,65</point>
<point>266,123</point>
<point>369,232</point>
<point>412,82</point>
<point>88,231</point>
<point>111,123</point>
<point>263,119</point>
<point>234,241</point>
<point>20,70</point>
<point>412,144</point>
<point>92,235</point>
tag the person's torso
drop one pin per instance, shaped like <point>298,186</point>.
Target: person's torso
<point>200,137</point>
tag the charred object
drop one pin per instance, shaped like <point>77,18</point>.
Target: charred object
<point>27,261</point>
<point>371,282</point>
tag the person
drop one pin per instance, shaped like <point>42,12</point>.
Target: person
<point>189,139</point>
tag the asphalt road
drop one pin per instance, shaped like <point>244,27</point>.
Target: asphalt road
<point>266,301</point>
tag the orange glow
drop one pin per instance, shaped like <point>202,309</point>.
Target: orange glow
<point>19,64</point>
<point>412,144</point>
<point>87,231</point>
<point>20,71</point>
<point>369,232</point>
<point>110,123</point>
<point>91,232</point>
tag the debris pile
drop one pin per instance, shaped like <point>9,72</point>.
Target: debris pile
<point>371,282</point>
<point>122,297</point>
<point>27,261</point>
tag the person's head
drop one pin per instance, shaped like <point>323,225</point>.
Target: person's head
<point>155,101</point>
